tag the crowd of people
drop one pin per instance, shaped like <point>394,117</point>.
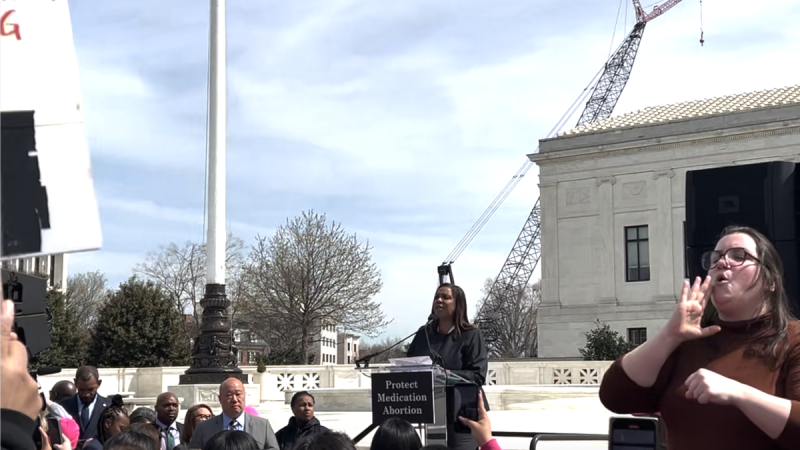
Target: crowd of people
<point>724,372</point>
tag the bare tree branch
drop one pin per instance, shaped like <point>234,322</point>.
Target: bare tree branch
<point>180,270</point>
<point>86,292</point>
<point>509,321</point>
<point>307,275</point>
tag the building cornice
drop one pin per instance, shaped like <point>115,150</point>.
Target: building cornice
<point>600,152</point>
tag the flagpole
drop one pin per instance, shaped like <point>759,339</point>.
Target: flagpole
<point>214,357</point>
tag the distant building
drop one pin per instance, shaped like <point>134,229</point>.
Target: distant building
<point>249,346</point>
<point>613,207</point>
<point>323,345</point>
<point>52,267</point>
<point>348,345</point>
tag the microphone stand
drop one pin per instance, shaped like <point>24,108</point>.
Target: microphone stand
<point>367,358</point>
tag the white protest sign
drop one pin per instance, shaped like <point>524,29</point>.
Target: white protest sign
<point>39,78</point>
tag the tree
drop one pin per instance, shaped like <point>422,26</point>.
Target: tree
<point>180,270</point>
<point>385,343</point>
<point>603,344</point>
<point>86,293</point>
<point>307,275</point>
<point>68,341</point>
<point>508,321</point>
<point>139,326</point>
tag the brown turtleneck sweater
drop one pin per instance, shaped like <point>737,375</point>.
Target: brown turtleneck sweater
<point>694,426</point>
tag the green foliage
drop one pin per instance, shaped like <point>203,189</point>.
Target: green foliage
<point>262,364</point>
<point>603,344</point>
<point>68,340</point>
<point>139,326</point>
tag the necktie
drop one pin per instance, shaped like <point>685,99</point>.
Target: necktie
<point>85,416</point>
<point>234,425</point>
<point>170,438</point>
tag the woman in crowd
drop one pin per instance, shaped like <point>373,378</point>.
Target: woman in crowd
<point>456,345</point>
<point>113,419</point>
<point>302,424</point>
<point>143,415</point>
<point>194,415</point>
<point>396,434</point>
<point>723,373</point>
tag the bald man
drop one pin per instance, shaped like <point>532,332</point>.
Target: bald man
<point>167,407</point>
<point>233,417</point>
<point>62,390</point>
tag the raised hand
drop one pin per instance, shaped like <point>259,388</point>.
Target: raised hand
<point>684,325</point>
<point>19,390</point>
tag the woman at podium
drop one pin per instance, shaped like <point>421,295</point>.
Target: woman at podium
<point>456,345</point>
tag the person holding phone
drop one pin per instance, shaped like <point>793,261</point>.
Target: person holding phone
<point>451,341</point>
<point>723,373</point>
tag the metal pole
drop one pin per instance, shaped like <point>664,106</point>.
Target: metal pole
<point>214,356</point>
<point>217,135</point>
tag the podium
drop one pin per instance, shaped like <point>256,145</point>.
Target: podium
<point>417,394</point>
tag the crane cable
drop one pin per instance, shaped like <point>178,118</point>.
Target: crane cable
<point>702,39</point>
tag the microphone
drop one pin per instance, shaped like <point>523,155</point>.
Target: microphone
<point>366,359</point>
<point>42,371</point>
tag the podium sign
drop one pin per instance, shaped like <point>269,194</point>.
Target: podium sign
<point>405,395</point>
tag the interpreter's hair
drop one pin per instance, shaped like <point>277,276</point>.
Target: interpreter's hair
<point>130,439</point>
<point>297,396</point>
<point>110,413</point>
<point>86,373</point>
<point>435,447</point>
<point>767,346</point>
<point>327,440</point>
<point>460,320</point>
<point>188,421</point>
<point>231,440</point>
<point>143,414</point>
<point>396,434</point>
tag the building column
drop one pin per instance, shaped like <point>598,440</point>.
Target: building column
<point>662,260</point>
<point>548,194</point>
<point>605,264</point>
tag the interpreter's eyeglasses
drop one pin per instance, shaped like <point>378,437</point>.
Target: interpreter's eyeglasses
<point>733,256</point>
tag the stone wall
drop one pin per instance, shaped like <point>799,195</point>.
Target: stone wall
<point>142,385</point>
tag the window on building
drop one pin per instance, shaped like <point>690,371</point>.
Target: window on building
<point>637,336</point>
<point>637,253</point>
<point>252,356</point>
<point>348,346</point>
<point>52,270</point>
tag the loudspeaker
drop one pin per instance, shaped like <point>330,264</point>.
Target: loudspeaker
<point>31,316</point>
<point>763,196</point>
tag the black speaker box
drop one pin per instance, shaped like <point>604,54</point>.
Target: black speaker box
<point>29,292</point>
<point>761,196</point>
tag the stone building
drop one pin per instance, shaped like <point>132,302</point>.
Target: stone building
<point>612,199</point>
<point>52,267</point>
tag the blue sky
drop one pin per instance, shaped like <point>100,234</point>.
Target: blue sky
<point>401,120</point>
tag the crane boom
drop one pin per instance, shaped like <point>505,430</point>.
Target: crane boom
<point>510,283</point>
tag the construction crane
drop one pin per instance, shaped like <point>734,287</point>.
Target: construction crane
<point>518,268</point>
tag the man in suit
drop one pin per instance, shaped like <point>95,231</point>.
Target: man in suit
<point>233,417</point>
<point>85,406</point>
<point>166,417</point>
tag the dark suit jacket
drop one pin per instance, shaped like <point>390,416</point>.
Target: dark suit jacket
<point>258,427</point>
<point>71,405</point>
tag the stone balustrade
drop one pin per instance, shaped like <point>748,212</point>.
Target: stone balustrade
<point>277,381</point>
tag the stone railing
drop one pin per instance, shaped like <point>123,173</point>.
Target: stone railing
<point>144,384</point>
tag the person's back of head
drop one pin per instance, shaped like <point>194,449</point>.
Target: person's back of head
<point>327,440</point>
<point>131,440</point>
<point>435,447</point>
<point>143,415</point>
<point>231,440</point>
<point>396,434</point>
